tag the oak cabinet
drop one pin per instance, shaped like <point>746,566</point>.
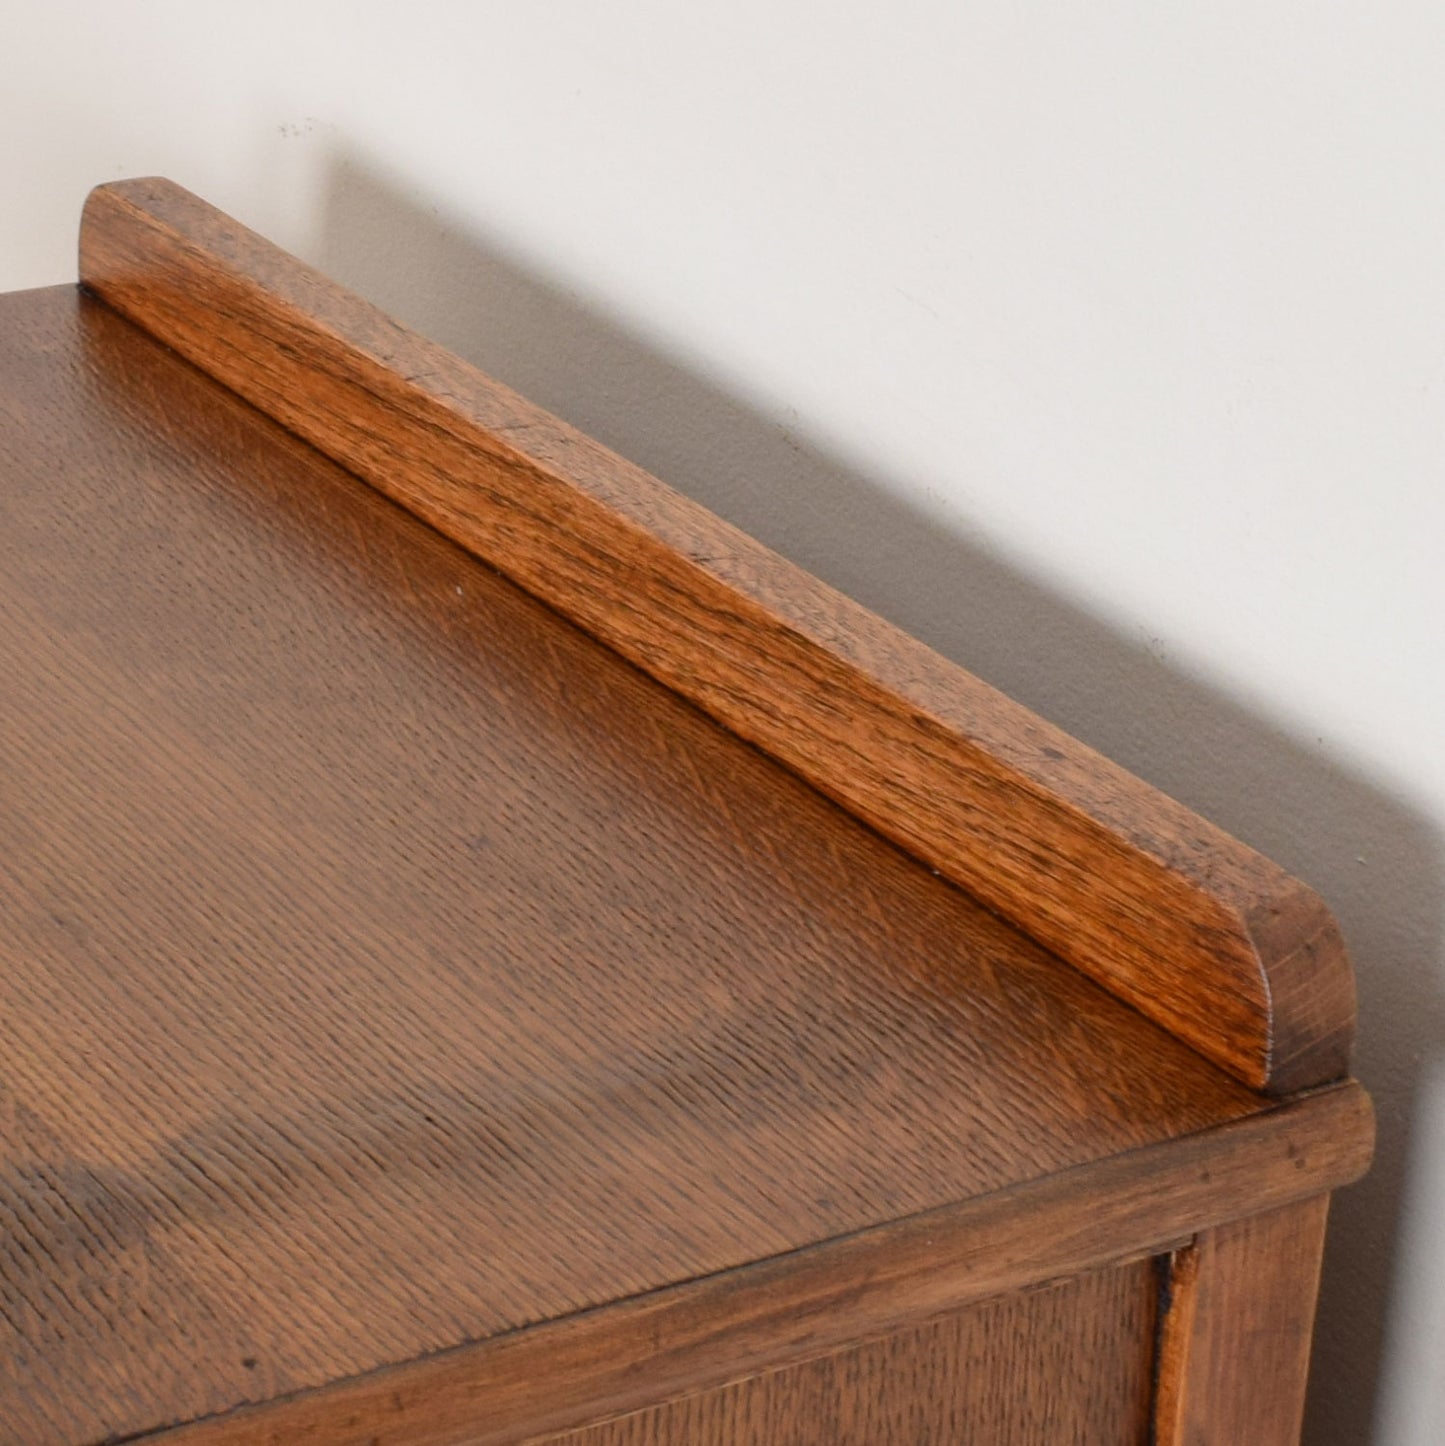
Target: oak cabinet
<point>490,953</point>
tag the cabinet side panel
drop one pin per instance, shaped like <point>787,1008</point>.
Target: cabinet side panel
<point>1067,1363</point>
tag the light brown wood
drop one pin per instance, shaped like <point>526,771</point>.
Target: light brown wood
<point>1068,1364</point>
<point>1197,931</point>
<point>810,1302</point>
<point>387,966</point>
<point>1235,1342</point>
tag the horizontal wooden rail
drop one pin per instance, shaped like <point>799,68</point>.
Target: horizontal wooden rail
<point>704,1333</point>
<point>1207,937</point>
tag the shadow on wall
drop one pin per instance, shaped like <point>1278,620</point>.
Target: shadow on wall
<point>1380,866</point>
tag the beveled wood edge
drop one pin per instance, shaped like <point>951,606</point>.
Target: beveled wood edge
<point>1204,935</point>
<point>708,1332</point>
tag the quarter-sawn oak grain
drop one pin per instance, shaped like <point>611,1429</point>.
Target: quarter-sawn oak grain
<point>1065,1366</point>
<point>1197,931</point>
<point>423,1029</point>
<point>387,967</point>
<point>805,1304</point>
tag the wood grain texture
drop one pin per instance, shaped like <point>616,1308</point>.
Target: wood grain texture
<point>1067,1364</point>
<point>1196,930</point>
<point>808,1303</point>
<point>386,965</point>
<point>1235,1345</point>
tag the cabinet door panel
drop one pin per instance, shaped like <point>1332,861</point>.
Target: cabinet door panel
<point>1070,1363</point>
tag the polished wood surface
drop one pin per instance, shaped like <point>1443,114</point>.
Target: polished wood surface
<point>424,1027</point>
<point>1069,1364</point>
<point>1235,1339</point>
<point>1197,931</point>
<point>386,965</point>
<point>797,1306</point>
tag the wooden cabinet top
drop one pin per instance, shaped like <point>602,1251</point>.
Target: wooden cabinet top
<point>391,963</point>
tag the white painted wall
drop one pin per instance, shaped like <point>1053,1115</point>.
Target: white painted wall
<point>1101,345</point>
